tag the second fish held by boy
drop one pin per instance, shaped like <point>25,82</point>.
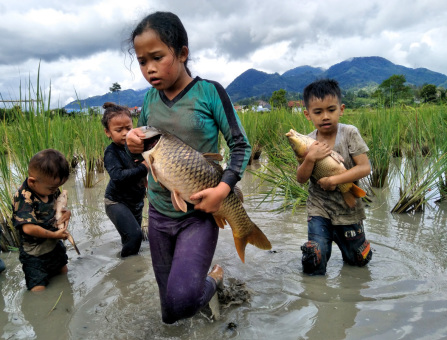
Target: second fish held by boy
<point>185,171</point>
<point>329,166</point>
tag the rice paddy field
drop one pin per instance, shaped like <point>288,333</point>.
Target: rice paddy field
<point>401,294</point>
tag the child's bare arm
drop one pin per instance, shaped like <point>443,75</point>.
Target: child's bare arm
<point>361,169</point>
<point>317,151</point>
<point>38,231</point>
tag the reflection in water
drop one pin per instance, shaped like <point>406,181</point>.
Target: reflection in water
<point>51,308</point>
<point>335,300</point>
<point>402,293</point>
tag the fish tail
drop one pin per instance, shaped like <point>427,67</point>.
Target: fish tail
<point>241,243</point>
<point>357,191</point>
<point>256,238</point>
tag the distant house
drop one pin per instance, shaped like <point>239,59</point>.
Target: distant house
<point>260,108</point>
<point>295,105</point>
<point>135,111</point>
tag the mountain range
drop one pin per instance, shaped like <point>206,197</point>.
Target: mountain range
<point>352,74</point>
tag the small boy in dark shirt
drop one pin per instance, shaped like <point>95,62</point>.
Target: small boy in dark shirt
<point>42,252</point>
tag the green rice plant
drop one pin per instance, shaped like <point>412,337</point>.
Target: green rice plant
<point>442,187</point>
<point>420,183</point>
<point>8,184</point>
<point>90,140</point>
<point>249,121</point>
<point>265,129</point>
<point>383,135</point>
<point>280,175</point>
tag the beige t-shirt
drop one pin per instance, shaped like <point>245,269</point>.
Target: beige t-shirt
<point>330,204</point>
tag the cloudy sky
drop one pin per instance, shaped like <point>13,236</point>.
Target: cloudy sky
<point>81,50</point>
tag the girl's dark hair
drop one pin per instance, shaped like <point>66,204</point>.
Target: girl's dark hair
<point>169,29</point>
<point>320,89</point>
<point>49,163</point>
<point>112,110</point>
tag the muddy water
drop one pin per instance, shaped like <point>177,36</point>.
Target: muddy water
<point>401,294</point>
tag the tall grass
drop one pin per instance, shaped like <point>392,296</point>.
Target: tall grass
<point>269,129</point>
<point>382,139</point>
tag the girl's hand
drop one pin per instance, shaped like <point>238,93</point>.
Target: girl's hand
<point>211,199</point>
<point>134,140</point>
<point>326,184</point>
<point>318,150</point>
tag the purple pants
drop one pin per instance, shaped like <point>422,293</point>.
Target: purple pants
<point>182,251</point>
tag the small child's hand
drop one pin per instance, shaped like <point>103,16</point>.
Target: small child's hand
<point>326,184</point>
<point>61,233</point>
<point>66,214</point>
<point>318,150</point>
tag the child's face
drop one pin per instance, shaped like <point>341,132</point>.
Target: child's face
<point>158,64</point>
<point>119,126</point>
<point>324,114</point>
<point>44,186</point>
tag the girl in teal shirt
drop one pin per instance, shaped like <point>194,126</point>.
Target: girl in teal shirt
<point>195,110</point>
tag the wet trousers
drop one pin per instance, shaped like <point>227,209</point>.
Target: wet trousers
<point>350,239</point>
<point>182,251</point>
<point>128,224</point>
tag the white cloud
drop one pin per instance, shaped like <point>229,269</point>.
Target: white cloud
<point>79,43</point>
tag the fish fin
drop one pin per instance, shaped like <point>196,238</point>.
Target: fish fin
<point>220,222</point>
<point>178,202</point>
<point>349,199</point>
<point>239,193</point>
<point>240,244</point>
<point>357,191</point>
<point>213,156</point>
<point>258,238</point>
<point>150,160</point>
<point>335,155</point>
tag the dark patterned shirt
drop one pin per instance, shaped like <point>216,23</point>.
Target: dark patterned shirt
<point>28,208</point>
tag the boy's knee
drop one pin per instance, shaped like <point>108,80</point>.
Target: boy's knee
<point>363,254</point>
<point>2,265</point>
<point>312,259</point>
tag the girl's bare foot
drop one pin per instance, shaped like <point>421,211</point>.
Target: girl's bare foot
<point>38,288</point>
<point>217,274</point>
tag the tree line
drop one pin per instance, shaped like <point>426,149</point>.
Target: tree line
<point>391,91</point>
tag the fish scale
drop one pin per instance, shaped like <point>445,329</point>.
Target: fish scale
<point>185,171</point>
<point>329,166</point>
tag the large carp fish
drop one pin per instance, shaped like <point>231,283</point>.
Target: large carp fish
<point>329,166</point>
<point>185,171</point>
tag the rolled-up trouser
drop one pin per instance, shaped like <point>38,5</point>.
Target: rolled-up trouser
<point>128,224</point>
<point>39,269</point>
<point>182,250</point>
<point>2,265</point>
<point>350,239</point>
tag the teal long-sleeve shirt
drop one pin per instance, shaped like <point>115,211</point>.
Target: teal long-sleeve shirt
<point>196,115</point>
